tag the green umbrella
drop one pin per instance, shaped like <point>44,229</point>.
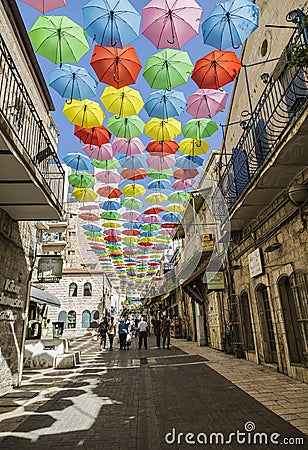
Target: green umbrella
<point>93,233</point>
<point>131,203</point>
<point>125,127</point>
<point>81,180</point>
<point>150,227</point>
<point>164,174</point>
<point>109,164</point>
<point>168,69</point>
<point>178,197</point>
<point>110,215</point>
<point>199,128</point>
<point>59,39</point>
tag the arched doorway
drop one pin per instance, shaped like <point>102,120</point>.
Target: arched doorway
<point>247,325</point>
<point>270,351</point>
<point>62,317</point>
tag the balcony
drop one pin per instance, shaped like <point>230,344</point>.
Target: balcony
<point>31,176</point>
<point>271,150</point>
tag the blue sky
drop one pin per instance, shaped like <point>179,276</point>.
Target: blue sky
<point>144,48</point>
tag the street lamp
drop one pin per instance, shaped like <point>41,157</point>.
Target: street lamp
<point>298,196</point>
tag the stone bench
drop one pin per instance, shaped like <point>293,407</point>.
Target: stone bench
<point>65,361</point>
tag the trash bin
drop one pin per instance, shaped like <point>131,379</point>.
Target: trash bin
<point>57,328</point>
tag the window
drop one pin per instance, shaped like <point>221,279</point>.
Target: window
<point>62,317</point>
<point>94,316</point>
<point>87,290</point>
<point>72,233</point>
<point>299,286</point>
<point>71,252</point>
<point>72,290</point>
<point>86,319</point>
<point>71,319</point>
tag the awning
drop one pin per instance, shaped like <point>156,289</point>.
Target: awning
<point>44,297</point>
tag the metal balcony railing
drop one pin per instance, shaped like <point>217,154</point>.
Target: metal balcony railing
<point>285,94</point>
<point>20,116</point>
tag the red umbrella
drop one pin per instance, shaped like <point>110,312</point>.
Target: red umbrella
<point>145,244</point>
<point>93,136</point>
<point>162,148</point>
<point>156,209</point>
<point>113,238</point>
<point>137,174</point>
<point>109,192</point>
<point>89,217</point>
<point>182,174</point>
<point>216,69</point>
<point>116,66</point>
<point>169,225</point>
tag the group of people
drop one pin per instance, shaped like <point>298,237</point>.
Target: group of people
<point>161,328</point>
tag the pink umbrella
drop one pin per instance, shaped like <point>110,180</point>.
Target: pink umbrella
<point>102,153</point>
<point>128,147</point>
<point>167,231</point>
<point>161,162</point>
<point>89,208</point>
<point>108,176</point>
<point>182,174</point>
<point>131,215</point>
<point>179,185</point>
<point>206,103</point>
<point>152,218</point>
<point>112,232</point>
<point>45,5</point>
<point>169,23</point>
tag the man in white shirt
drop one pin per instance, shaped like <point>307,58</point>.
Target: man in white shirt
<point>143,331</point>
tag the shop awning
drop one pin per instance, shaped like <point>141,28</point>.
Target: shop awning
<point>44,297</point>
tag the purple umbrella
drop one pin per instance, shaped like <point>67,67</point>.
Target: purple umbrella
<point>206,103</point>
<point>161,162</point>
<point>108,176</point>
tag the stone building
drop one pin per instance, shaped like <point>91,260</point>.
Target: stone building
<point>31,182</point>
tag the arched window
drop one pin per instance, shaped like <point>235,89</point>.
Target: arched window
<point>86,319</point>
<point>270,352</point>
<point>71,319</point>
<point>72,292</point>
<point>247,325</point>
<point>62,317</point>
<point>94,317</point>
<point>87,290</point>
<point>299,286</point>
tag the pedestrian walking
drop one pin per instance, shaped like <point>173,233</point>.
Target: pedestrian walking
<point>157,330</point>
<point>111,332</point>
<point>122,333</point>
<point>143,331</point>
<point>103,326</point>
<point>165,328</point>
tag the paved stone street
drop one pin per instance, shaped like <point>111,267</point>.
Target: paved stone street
<point>145,399</point>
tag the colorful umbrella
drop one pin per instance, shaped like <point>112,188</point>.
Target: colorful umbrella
<point>155,209</point>
<point>158,185</point>
<point>84,113</point>
<point>123,102</point>
<point>59,39</point>
<point>169,224</point>
<point>92,228</point>
<point>93,136</point>
<point>160,174</point>
<point>89,217</point>
<point>112,224</point>
<point>162,148</point>
<point>128,147</point>
<point>131,232</point>
<point>131,203</point>
<point>156,198</point>
<point>117,67</point>
<point>152,218</point>
<point>167,69</point>
<point>136,174</point>
<point>178,185</point>
<point>169,23</point>
<point>113,23</point>
<point>110,215</point>
<point>132,216</point>
<point>77,161</point>
<point>81,180</point>
<point>102,153</point>
<point>175,207</point>
<point>161,162</point>
<point>150,227</point>
<point>164,104</point>
<point>189,162</point>
<point>110,205</point>
<point>112,231</point>
<point>133,162</point>
<point>160,130</point>
<point>216,69</point>
<point>109,192</point>
<point>230,23</point>
<point>45,5</point>
<point>199,128</point>
<point>206,102</point>
<point>108,176</point>
<point>84,194</point>
<point>178,197</point>
<point>182,174</point>
<point>72,82</point>
<point>134,190</point>
<point>113,238</point>
<point>125,127</point>
<point>89,208</point>
<point>109,164</point>
<point>193,147</point>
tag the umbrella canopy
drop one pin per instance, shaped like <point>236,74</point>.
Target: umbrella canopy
<point>123,102</point>
<point>164,104</point>
<point>133,162</point>
<point>189,162</point>
<point>102,153</point>
<point>178,197</point>
<point>193,147</point>
<point>117,67</point>
<point>160,129</point>
<point>175,207</point>
<point>136,174</point>
<point>108,176</point>
<point>59,39</point>
<point>162,148</point>
<point>111,224</point>
<point>113,238</point>
<point>78,161</point>
<point>128,147</point>
<point>125,127</point>
<point>160,174</point>
<point>167,69</point>
<point>159,185</point>
<point>84,194</point>
<point>156,198</point>
<point>131,203</point>
<point>131,232</point>
<point>110,205</point>
<point>216,69</point>
<point>131,216</point>
<point>108,164</point>
<point>150,227</point>
<point>89,217</point>
<point>109,192</point>
<point>84,113</point>
<point>169,23</point>
<point>110,215</point>
<point>230,23</point>
<point>112,231</point>
<point>93,136</point>
<point>134,190</point>
<point>92,228</point>
<point>199,128</point>
<point>155,209</point>
<point>45,5</point>
<point>178,185</point>
<point>112,23</point>
<point>161,162</point>
<point>152,218</point>
<point>206,103</point>
<point>182,174</point>
<point>81,179</point>
<point>89,208</point>
<point>72,82</point>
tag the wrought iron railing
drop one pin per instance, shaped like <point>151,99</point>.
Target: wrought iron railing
<point>21,119</point>
<point>284,95</point>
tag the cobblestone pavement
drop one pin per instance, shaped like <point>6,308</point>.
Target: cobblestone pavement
<point>144,399</point>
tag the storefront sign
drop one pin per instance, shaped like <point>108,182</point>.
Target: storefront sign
<point>255,263</point>
<point>49,269</point>
<point>207,243</point>
<point>10,294</point>
<point>215,281</point>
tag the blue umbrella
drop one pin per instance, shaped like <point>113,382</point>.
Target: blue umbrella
<point>92,228</point>
<point>147,234</point>
<point>110,205</point>
<point>171,217</point>
<point>111,23</point>
<point>132,225</point>
<point>189,162</point>
<point>164,104</point>
<point>158,185</point>
<point>72,82</point>
<point>133,162</point>
<point>230,23</point>
<point>78,161</point>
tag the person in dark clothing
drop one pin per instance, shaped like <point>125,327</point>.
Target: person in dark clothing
<point>111,330</point>
<point>166,328</point>
<point>103,332</point>
<point>123,333</point>
<point>157,330</point>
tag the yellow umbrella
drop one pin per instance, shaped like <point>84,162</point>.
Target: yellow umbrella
<point>95,239</point>
<point>134,190</point>
<point>122,102</point>
<point>84,194</point>
<point>175,207</point>
<point>111,224</point>
<point>193,147</point>
<point>146,239</point>
<point>156,198</point>
<point>162,129</point>
<point>130,239</point>
<point>85,113</point>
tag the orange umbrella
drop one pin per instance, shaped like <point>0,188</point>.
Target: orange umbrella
<point>182,174</point>
<point>93,136</point>
<point>136,174</point>
<point>109,192</point>
<point>162,148</point>
<point>216,69</point>
<point>116,66</point>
